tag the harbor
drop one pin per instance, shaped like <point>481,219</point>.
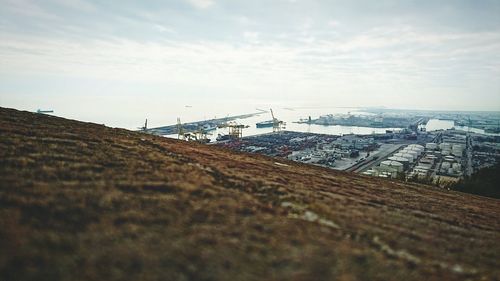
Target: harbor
<point>428,150</point>
<point>440,157</point>
<point>261,122</point>
<point>204,125</point>
<point>418,147</point>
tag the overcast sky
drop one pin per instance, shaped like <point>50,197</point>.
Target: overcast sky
<point>393,53</point>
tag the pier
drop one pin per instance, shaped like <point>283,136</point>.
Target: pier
<point>197,125</point>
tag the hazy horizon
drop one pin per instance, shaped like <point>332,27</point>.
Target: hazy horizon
<point>93,60</point>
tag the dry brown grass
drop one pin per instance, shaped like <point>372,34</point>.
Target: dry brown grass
<point>80,201</point>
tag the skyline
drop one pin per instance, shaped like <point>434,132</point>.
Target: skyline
<point>397,54</point>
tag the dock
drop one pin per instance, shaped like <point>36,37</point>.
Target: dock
<point>193,126</point>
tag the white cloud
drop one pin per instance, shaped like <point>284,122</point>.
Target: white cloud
<point>333,23</point>
<point>322,60</point>
<point>251,36</point>
<point>27,8</point>
<point>81,5</point>
<point>201,4</point>
<point>378,64</point>
<point>243,20</point>
<point>163,29</point>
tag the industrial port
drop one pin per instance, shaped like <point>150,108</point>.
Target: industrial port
<point>440,157</point>
<point>204,125</point>
<point>408,151</point>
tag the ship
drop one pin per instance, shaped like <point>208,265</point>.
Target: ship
<point>44,111</point>
<point>221,137</point>
<point>208,127</point>
<point>265,124</point>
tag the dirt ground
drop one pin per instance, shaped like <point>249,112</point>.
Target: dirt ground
<point>81,201</point>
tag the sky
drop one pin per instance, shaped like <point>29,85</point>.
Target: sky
<point>90,58</point>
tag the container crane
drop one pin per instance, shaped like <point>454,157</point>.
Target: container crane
<point>145,127</point>
<point>235,131</point>
<point>277,124</point>
<point>199,135</point>
<point>180,130</point>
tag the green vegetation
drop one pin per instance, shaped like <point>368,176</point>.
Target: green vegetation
<point>485,182</point>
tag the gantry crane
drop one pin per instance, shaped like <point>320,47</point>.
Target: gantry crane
<point>199,135</point>
<point>235,130</point>
<point>180,130</point>
<point>145,127</point>
<point>277,124</point>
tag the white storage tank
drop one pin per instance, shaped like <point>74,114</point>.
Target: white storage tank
<point>416,150</point>
<point>449,158</point>
<point>445,152</point>
<point>431,146</point>
<point>392,164</point>
<point>413,153</point>
<point>457,167</point>
<point>450,171</point>
<point>445,165</point>
<point>402,160</point>
<point>410,157</point>
<point>427,160</point>
<point>457,150</point>
<point>399,159</point>
<point>416,147</point>
<point>405,155</point>
<point>368,173</point>
<point>419,146</point>
<point>445,146</point>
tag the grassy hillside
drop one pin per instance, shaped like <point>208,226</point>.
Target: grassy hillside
<point>80,201</point>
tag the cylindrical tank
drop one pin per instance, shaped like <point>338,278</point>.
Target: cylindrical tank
<point>414,153</point>
<point>398,158</point>
<point>402,160</point>
<point>416,150</point>
<point>369,173</point>
<point>445,146</point>
<point>416,147</point>
<point>457,150</point>
<point>392,164</point>
<point>431,146</point>
<point>445,165</point>
<point>449,158</point>
<point>457,167</point>
<point>405,155</point>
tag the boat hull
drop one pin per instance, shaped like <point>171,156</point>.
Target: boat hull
<point>264,124</point>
